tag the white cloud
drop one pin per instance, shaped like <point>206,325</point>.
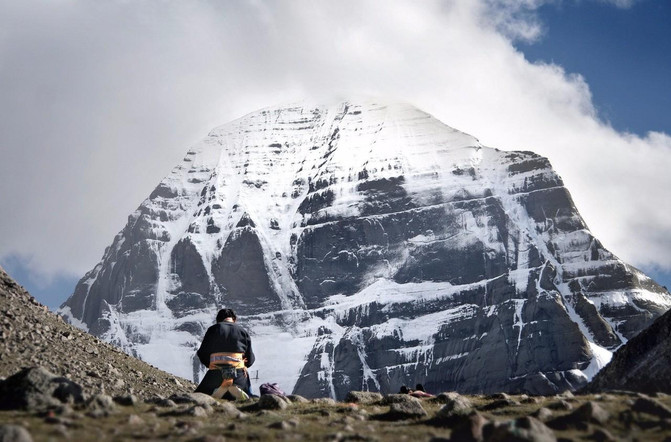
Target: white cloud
<point>100,100</point>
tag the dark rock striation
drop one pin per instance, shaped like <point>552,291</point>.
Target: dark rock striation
<point>367,246</point>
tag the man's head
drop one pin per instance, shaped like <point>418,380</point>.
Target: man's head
<point>226,313</point>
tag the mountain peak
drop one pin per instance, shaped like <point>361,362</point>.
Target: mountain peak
<point>368,245</point>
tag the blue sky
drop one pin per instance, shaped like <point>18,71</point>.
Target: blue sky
<point>624,54</point>
<point>100,100</point>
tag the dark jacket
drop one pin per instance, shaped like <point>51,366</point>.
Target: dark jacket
<point>226,337</point>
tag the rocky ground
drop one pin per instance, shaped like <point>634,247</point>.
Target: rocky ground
<point>365,416</point>
<point>57,382</point>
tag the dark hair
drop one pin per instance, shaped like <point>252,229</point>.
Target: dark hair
<point>419,387</point>
<point>226,313</point>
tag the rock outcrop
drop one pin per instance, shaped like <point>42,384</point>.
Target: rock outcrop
<point>643,364</point>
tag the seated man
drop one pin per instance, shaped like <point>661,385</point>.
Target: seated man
<point>226,350</point>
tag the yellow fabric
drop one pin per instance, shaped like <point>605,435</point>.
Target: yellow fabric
<point>224,358</point>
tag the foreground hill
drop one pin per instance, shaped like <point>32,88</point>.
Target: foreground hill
<point>643,364</point>
<point>31,335</point>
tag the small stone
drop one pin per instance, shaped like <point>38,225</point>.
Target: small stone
<point>267,414</point>
<point>363,397</point>
<point>455,406</point>
<point>469,427</point>
<point>498,396</point>
<point>397,399</point>
<point>323,401</point>
<point>406,410</point>
<point>602,435</point>
<point>281,425</point>
<point>651,406</point>
<point>519,430</point>
<point>210,438</point>
<point>228,409</point>
<point>560,406</point>
<point>272,402</point>
<point>197,411</point>
<point>194,398</point>
<point>98,413</point>
<point>297,399</point>
<point>445,396</point>
<point>134,419</point>
<point>101,402</point>
<point>592,412</point>
<point>543,414</point>
<point>588,413</point>
<point>62,431</point>
<point>64,410</point>
<point>126,400</point>
<point>166,403</point>
<point>566,395</point>
<point>500,403</point>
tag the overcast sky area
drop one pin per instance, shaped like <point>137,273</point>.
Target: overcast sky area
<point>99,100</point>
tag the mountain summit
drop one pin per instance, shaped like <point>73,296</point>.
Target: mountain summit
<point>365,246</point>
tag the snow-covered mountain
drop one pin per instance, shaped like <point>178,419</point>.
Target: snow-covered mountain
<point>367,245</point>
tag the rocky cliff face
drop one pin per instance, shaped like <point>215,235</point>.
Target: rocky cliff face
<point>367,245</point>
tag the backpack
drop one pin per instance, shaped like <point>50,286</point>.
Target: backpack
<point>269,388</point>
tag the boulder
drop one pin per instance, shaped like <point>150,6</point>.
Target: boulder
<point>406,410</point>
<point>457,406</point>
<point>397,399</point>
<point>363,397</point>
<point>587,413</point>
<point>297,399</point>
<point>445,396</point>
<point>591,412</point>
<point>36,388</point>
<point>14,433</point>
<point>468,428</point>
<point>272,402</point>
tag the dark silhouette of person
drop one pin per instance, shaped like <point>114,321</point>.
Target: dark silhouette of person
<point>226,351</point>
